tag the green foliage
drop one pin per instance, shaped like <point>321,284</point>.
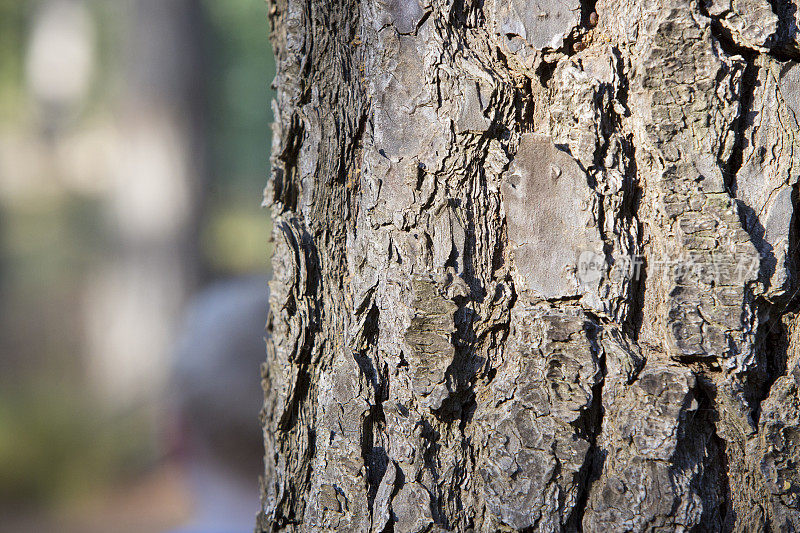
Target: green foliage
<point>54,445</point>
<point>13,19</point>
<point>236,231</point>
<point>239,97</point>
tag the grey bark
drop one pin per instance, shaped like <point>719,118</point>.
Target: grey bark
<point>535,266</point>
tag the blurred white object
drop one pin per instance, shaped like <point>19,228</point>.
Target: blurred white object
<point>151,186</point>
<point>60,57</point>
<point>131,312</point>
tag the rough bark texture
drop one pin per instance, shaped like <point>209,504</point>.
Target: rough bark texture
<point>535,266</point>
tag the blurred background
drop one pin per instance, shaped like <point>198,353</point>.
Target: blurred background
<point>134,140</point>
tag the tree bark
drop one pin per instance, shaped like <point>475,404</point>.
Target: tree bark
<point>535,266</point>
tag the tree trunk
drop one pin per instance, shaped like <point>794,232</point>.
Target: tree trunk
<point>535,266</point>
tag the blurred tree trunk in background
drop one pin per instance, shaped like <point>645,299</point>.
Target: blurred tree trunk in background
<point>154,205</point>
<point>534,266</point>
